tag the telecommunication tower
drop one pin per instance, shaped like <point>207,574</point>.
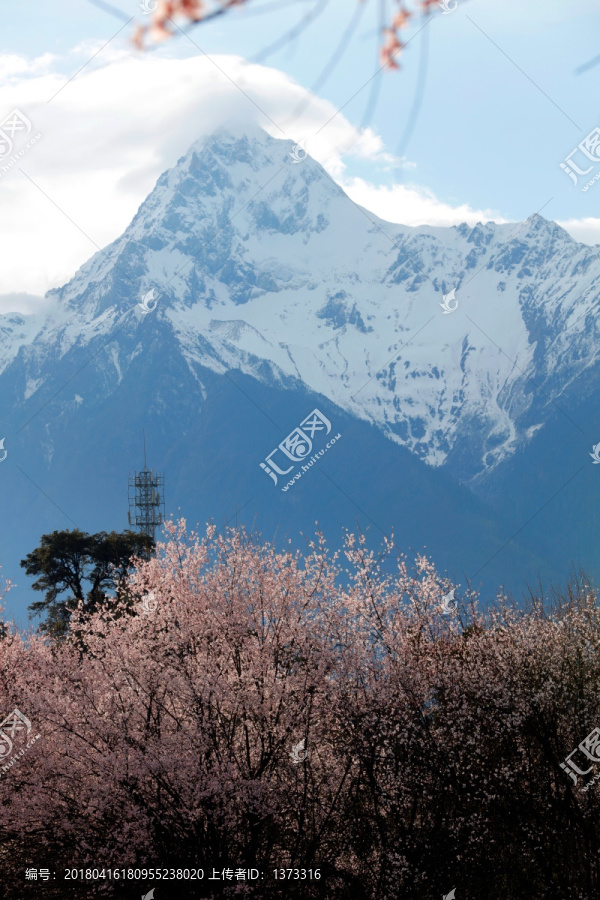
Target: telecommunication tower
<point>146,499</point>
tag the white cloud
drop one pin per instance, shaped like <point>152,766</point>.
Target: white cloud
<point>585,230</point>
<point>14,65</point>
<point>21,303</point>
<point>412,205</point>
<point>110,132</point>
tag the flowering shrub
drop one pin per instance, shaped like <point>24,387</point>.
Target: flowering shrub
<point>268,711</point>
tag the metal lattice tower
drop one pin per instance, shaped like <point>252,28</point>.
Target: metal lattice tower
<point>146,499</point>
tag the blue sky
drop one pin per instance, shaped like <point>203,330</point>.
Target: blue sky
<point>501,105</point>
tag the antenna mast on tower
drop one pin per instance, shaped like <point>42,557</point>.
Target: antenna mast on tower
<point>146,499</point>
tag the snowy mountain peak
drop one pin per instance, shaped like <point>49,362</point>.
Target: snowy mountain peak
<point>261,263</point>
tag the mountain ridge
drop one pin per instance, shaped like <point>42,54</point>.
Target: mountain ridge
<point>275,292</point>
<point>293,268</point>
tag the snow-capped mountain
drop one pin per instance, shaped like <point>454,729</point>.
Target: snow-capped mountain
<point>459,345</point>
<point>264,265</point>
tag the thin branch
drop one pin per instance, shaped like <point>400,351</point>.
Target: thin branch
<point>294,32</point>
<point>419,93</point>
<point>341,47</point>
<point>334,59</point>
<point>376,81</point>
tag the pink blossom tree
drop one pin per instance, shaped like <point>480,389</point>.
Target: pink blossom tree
<point>246,707</point>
